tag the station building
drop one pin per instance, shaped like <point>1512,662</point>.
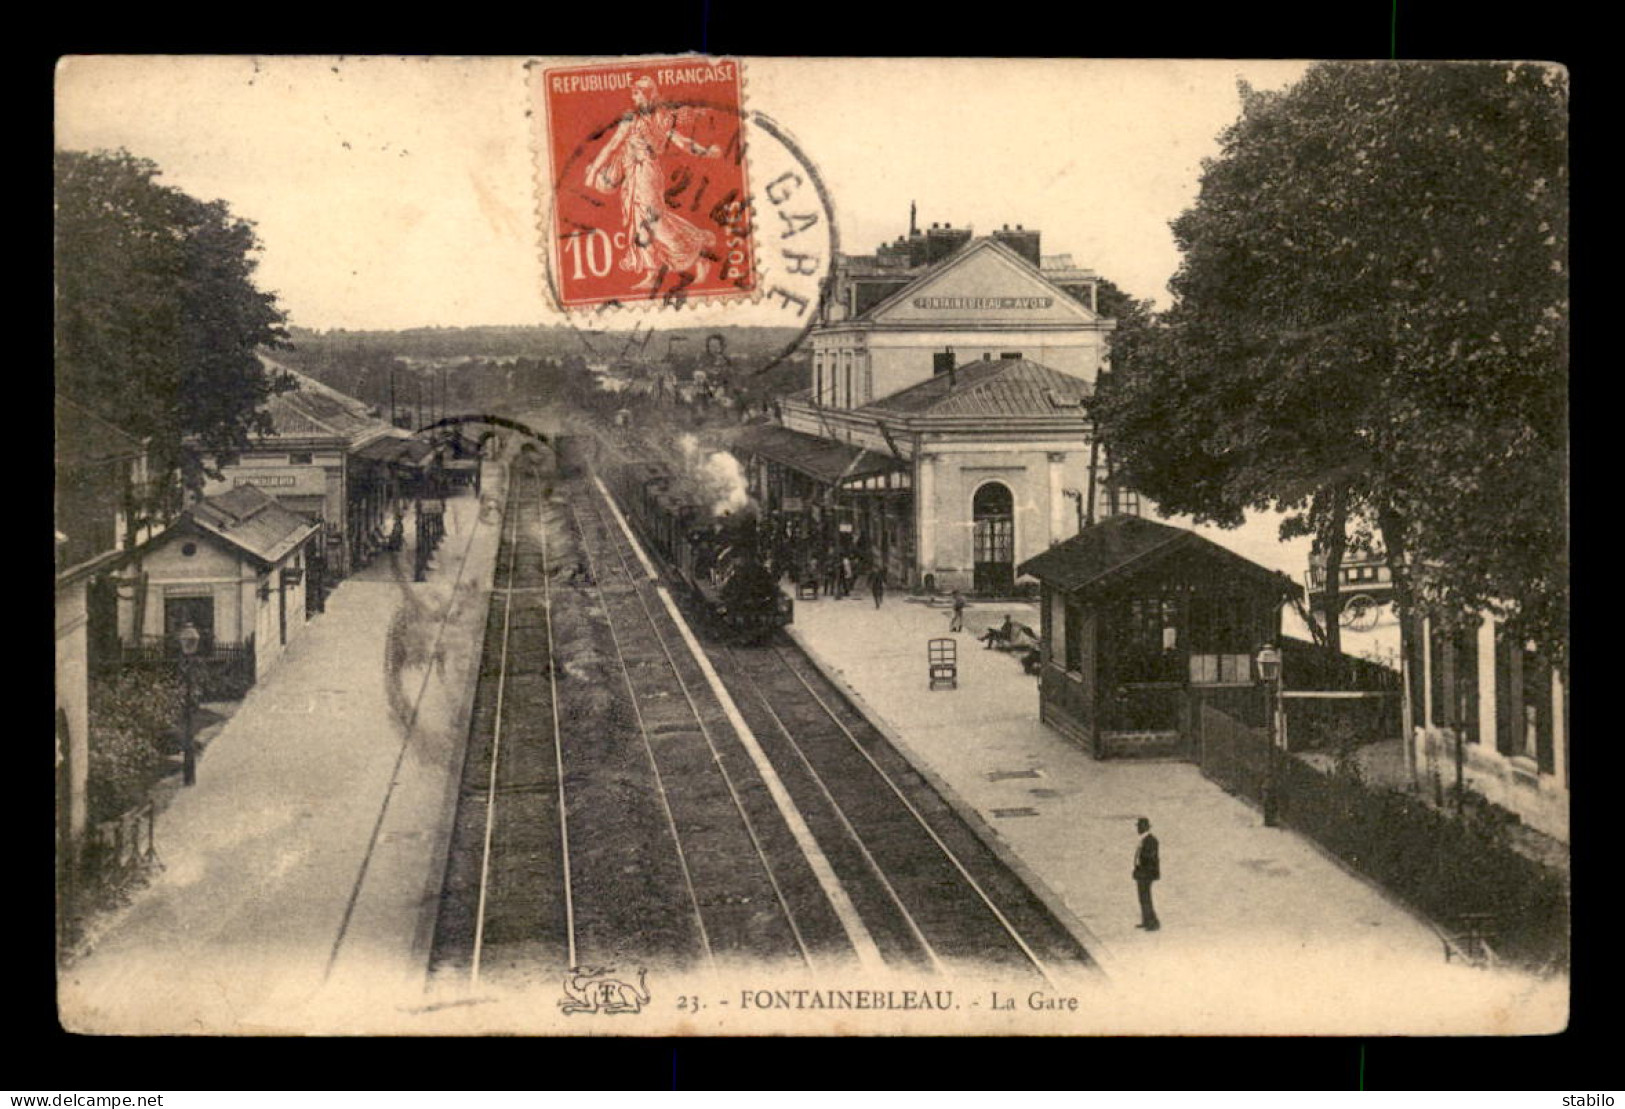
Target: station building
<point>101,476</point>
<point>1491,711</point>
<point>946,434</point>
<point>332,459</point>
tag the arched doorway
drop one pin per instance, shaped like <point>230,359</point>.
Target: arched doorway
<point>994,542</point>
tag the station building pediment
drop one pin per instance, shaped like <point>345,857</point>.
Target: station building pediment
<point>985,284</point>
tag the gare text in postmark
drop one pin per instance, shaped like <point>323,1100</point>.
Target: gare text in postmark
<point>650,197</point>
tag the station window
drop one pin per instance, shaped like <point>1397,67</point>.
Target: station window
<point>1537,711</point>
<point>1465,686</point>
<point>299,458</point>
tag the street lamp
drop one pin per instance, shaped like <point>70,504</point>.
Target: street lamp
<point>188,638</point>
<point>1269,672</point>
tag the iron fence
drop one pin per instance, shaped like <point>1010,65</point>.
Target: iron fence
<point>219,671</point>
<point>1232,753</point>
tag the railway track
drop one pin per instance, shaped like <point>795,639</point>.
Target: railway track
<point>951,903</point>
<point>507,899</point>
<point>622,806</point>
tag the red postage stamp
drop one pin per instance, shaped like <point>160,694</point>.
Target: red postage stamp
<point>649,193</point>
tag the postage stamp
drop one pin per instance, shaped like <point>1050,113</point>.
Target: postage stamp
<point>649,191</point>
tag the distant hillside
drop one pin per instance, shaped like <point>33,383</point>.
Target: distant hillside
<point>555,342</point>
<point>520,366</point>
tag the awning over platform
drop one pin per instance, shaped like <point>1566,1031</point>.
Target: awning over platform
<point>823,460</point>
<point>397,449</point>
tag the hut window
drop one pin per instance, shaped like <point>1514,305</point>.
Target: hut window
<point>1138,631</point>
<point>1074,638</point>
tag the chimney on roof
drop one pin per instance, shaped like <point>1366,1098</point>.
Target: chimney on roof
<point>1023,242</point>
<point>913,228</point>
<point>943,241</point>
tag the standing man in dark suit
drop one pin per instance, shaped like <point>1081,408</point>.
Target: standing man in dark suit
<point>1147,869</point>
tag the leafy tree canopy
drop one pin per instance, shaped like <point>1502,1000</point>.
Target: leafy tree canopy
<point>1370,332</point>
<point>157,315</point>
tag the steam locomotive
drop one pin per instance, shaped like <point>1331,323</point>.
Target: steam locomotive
<point>718,559</point>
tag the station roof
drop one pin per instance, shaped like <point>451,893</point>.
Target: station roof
<point>318,411</point>
<point>1120,547</point>
<point>252,520</point>
<point>1008,387</point>
<point>824,460</point>
<point>398,447</point>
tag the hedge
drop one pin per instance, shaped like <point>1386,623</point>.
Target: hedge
<point>1444,865</point>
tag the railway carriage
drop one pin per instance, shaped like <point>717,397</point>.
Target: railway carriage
<point>717,560</point>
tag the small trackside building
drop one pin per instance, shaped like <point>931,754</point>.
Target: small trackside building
<point>234,566</point>
<point>1141,623</point>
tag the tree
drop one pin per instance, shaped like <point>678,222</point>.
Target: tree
<point>1369,332</point>
<point>1131,316</point>
<point>157,317</point>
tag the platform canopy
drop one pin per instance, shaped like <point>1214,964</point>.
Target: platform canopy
<point>397,448</point>
<point>823,460</point>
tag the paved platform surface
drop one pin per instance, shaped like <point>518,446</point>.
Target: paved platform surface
<point>1261,931</point>
<point>302,871</point>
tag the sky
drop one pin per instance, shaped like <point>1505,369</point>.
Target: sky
<point>399,192</point>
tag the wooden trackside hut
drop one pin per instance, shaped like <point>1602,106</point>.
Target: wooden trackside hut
<point>1142,623</point>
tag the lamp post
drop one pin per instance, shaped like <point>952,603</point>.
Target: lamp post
<point>188,638</point>
<point>1269,672</point>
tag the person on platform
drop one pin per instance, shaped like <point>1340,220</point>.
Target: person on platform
<point>1147,869</point>
<point>877,585</point>
<point>1004,633</point>
<point>957,624</point>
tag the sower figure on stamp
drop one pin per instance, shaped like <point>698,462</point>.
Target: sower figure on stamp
<point>657,238</point>
<point>1147,869</point>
